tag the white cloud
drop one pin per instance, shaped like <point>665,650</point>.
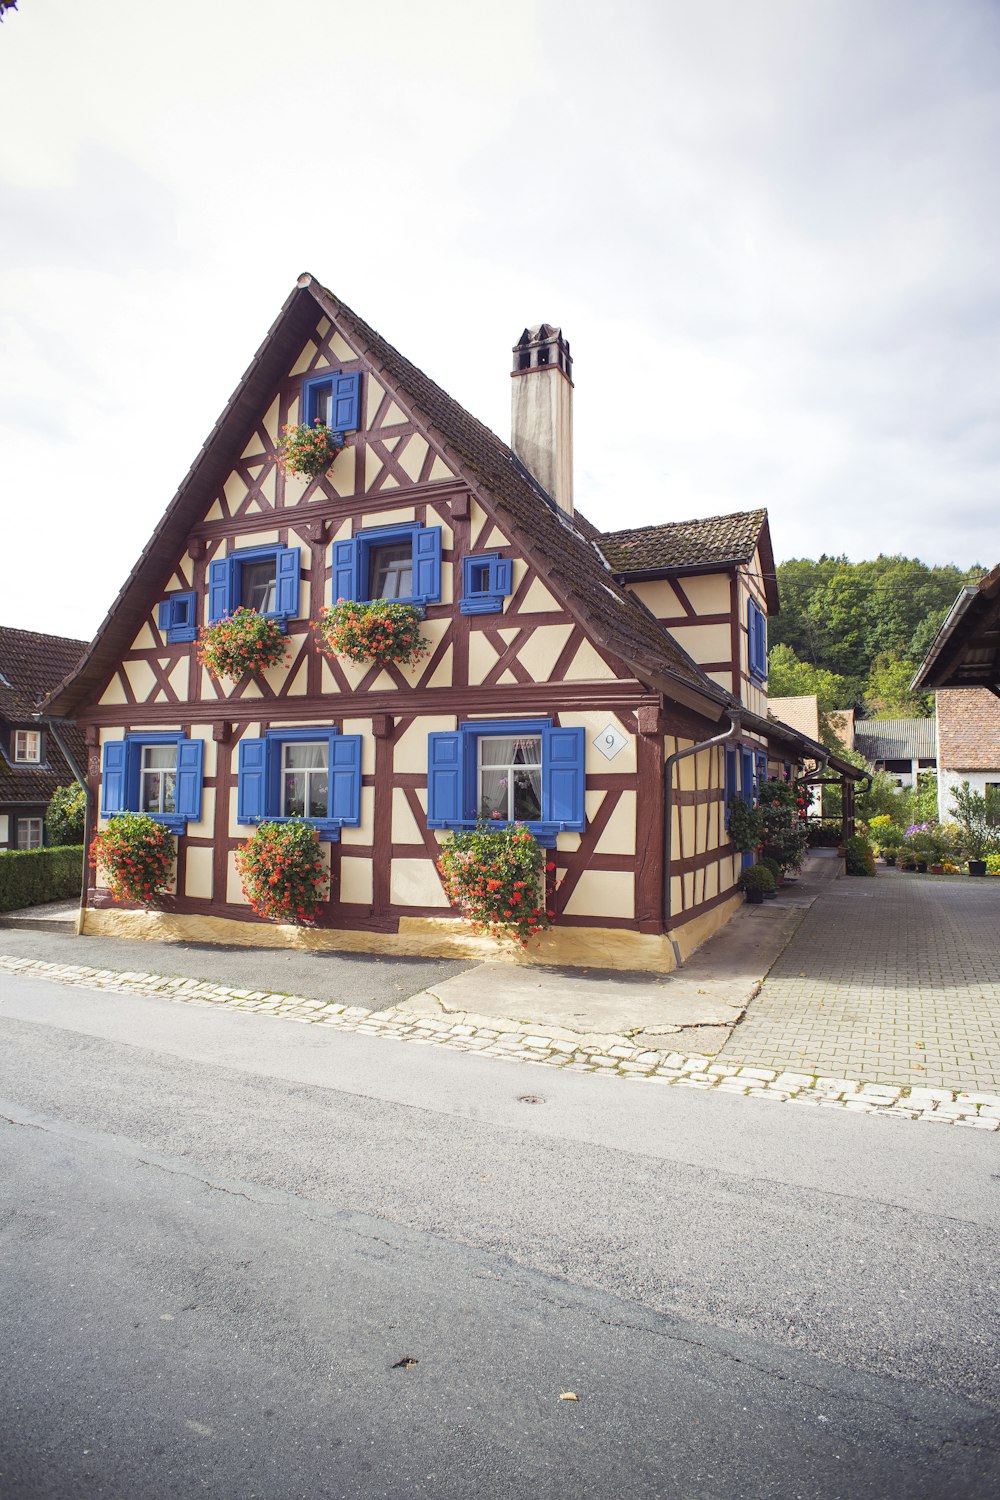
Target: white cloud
<point>769,232</point>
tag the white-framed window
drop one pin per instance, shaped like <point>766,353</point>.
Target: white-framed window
<point>305,778</point>
<point>27,747</point>
<point>158,779</point>
<point>509,777</point>
<point>29,833</point>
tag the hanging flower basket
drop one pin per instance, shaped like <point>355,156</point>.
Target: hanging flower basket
<point>307,451</point>
<point>381,630</point>
<point>243,642</point>
<point>496,875</point>
<point>283,874</point>
<point>136,855</point>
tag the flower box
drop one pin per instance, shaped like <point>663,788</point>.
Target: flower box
<point>382,630</point>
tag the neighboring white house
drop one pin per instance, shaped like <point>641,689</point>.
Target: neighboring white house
<point>968,735</point>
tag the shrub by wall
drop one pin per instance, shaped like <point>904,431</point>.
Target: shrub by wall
<point>28,877</point>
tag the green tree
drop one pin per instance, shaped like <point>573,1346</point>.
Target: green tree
<point>888,695</point>
<point>65,814</point>
<point>788,677</point>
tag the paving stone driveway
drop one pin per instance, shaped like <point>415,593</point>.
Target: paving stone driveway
<point>892,980</point>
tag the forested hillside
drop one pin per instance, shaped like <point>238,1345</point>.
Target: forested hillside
<point>855,633</point>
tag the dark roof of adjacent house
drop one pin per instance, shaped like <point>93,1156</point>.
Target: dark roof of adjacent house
<point>615,618</point>
<point>689,546</point>
<point>31,665</point>
<point>966,650</point>
<point>896,739</point>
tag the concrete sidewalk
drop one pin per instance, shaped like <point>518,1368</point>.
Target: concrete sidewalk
<point>692,1009</point>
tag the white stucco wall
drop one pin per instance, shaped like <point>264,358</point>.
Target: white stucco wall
<point>947,780</point>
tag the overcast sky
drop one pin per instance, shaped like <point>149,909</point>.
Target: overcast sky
<point>768,228</point>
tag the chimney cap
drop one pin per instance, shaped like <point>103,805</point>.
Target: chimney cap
<point>542,347</point>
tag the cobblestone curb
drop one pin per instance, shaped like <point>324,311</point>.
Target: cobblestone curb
<point>507,1041</point>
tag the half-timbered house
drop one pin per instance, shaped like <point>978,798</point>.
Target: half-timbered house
<point>608,690</point>
<point>32,760</point>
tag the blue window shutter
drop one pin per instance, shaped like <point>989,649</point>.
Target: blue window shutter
<point>730,783</point>
<point>746,775</point>
<point>503,575</point>
<point>288,562</point>
<point>444,779</point>
<point>346,403</point>
<point>250,801</point>
<point>563,778</point>
<point>344,570</point>
<point>190,760</point>
<point>427,563</point>
<point>345,778</point>
<point>164,617</point>
<point>113,778</point>
<point>218,590</point>
<point>762,642</point>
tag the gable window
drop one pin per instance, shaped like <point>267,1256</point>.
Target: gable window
<point>389,562</point>
<point>158,774</point>
<point>27,747</point>
<point>178,616</point>
<point>757,640</point>
<point>29,833</point>
<point>487,578</point>
<point>519,770</point>
<point>312,773</point>
<point>265,579</point>
<point>333,399</point>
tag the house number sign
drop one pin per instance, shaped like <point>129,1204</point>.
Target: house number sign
<point>610,741</point>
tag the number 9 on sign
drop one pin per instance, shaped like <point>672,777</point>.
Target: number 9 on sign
<point>610,741</point>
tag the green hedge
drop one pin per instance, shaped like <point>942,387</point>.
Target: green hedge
<point>29,877</point>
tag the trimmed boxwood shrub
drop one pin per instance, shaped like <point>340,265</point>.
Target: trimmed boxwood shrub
<point>860,859</point>
<point>30,877</point>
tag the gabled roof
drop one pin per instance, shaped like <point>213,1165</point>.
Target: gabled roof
<point>800,712</point>
<point>689,546</point>
<point>896,739</point>
<point>968,722</point>
<point>966,650</point>
<point>609,613</point>
<point>31,665</point>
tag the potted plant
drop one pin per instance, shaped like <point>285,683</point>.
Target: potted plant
<point>241,642</point>
<point>889,843</point>
<point>136,854</point>
<point>381,630</point>
<point>309,449</point>
<point>283,873</point>
<point>756,882</point>
<point>495,873</point>
<point>859,857</point>
<point>776,872</point>
<point>977,837</point>
<point>785,834</point>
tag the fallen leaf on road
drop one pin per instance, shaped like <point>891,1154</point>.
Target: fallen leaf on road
<point>406,1363</point>
<point>569,1396</point>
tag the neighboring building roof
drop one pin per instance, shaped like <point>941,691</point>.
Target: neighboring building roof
<point>966,650</point>
<point>968,730</point>
<point>896,739</point>
<point>687,546</point>
<point>801,712</point>
<point>612,616</point>
<point>30,666</point>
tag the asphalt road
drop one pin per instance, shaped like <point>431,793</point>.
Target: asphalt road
<point>220,1233</point>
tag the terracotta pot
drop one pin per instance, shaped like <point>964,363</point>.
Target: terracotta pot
<point>935,869</point>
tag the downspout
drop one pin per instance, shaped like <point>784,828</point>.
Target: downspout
<point>729,738</point>
<point>55,726</point>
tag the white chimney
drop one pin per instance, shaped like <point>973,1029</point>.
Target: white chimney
<point>541,410</point>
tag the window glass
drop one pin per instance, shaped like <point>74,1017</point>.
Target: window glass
<point>259,585</point>
<point>158,779</point>
<point>390,570</point>
<point>304,779</point>
<point>510,777</point>
<point>480,578</point>
<point>29,833</point>
<point>28,746</point>
<point>321,400</point>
